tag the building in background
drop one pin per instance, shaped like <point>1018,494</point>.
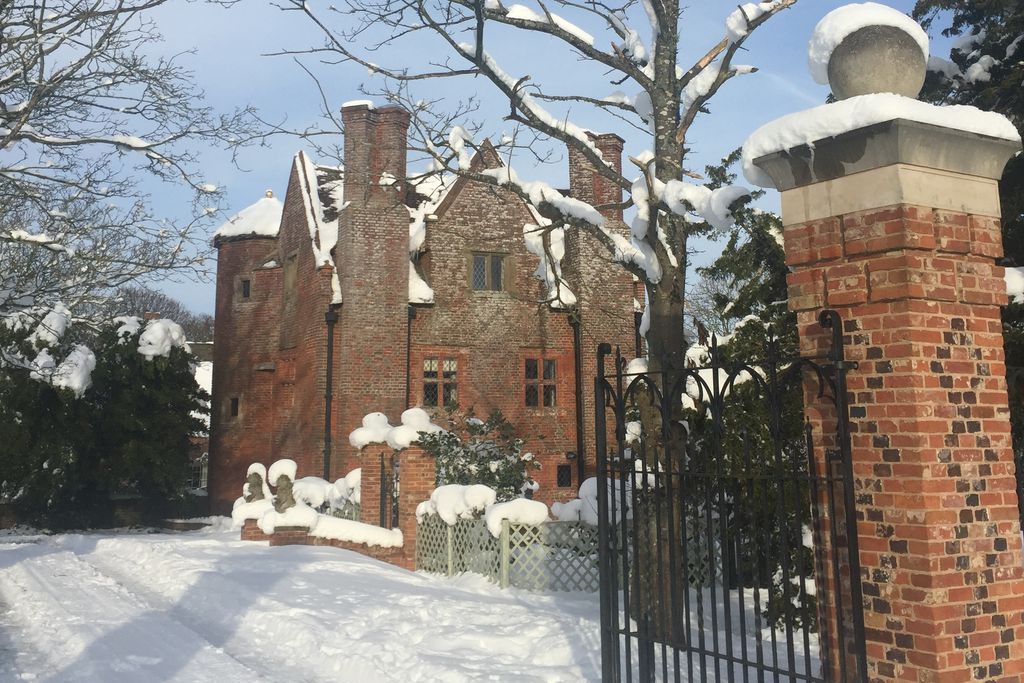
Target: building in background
<point>426,289</point>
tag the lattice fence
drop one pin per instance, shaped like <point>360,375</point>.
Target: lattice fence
<point>555,556</point>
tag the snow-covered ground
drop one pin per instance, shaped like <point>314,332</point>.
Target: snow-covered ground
<point>205,607</point>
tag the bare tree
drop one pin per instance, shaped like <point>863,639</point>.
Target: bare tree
<point>641,53</point>
<point>86,114</point>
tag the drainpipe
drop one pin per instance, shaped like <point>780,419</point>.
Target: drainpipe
<point>331,318</point>
<point>638,319</point>
<point>577,359</point>
<point>408,356</point>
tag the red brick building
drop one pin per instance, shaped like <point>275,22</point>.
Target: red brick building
<point>434,297</point>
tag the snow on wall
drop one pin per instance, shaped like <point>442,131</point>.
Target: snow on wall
<point>254,510</point>
<point>261,219</point>
<point>835,26</point>
<point>339,529</point>
<point>434,186</point>
<point>299,515</point>
<point>830,120</point>
<point>377,429</point>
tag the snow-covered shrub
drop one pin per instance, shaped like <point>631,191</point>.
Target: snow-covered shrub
<point>474,451</point>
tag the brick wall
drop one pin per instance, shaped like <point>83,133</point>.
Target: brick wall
<point>491,334</point>
<point>271,354</point>
<point>418,473</point>
<point>938,521</point>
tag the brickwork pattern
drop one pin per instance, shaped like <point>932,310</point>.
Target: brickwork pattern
<point>938,525</point>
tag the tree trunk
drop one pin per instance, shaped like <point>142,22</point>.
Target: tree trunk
<point>658,562</point>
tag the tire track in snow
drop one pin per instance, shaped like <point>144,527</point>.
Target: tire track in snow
<point>258,629</point>
<point>86,627</point>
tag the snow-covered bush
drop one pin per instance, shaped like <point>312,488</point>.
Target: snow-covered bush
<point>474,451</point>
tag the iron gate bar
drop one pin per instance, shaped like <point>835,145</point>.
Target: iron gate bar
<point>831,321</point>
<point>719,547</point>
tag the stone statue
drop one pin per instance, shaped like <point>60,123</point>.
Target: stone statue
<point>254,487</point>
<point>284,498</point>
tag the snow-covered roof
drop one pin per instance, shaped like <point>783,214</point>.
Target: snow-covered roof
<point>323,197</point>
<point>262,219</point>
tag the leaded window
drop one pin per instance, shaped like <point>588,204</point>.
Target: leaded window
<point>540,376</point>
<point>440,381</point>
<point>487,272</point>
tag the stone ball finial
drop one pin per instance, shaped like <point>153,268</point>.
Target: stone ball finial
<point>877,59</point>
<point>868,48</point>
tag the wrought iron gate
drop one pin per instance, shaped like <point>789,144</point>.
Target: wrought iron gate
<point>724,552</point>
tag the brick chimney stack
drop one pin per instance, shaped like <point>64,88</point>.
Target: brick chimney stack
<point>376,142</point>
<point>587,184</point>
<point>604,290</point>
<point>373,258</point>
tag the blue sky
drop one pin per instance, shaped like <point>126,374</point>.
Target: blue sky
<point>230,65</point>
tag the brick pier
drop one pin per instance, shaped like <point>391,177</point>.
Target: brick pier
<point>901,239</point>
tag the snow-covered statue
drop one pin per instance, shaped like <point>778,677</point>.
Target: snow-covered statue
<point>868,48</point>
<point>282,476</point>
<point>253,489</point>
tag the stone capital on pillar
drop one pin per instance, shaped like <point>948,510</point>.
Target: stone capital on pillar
<point>896,226</point>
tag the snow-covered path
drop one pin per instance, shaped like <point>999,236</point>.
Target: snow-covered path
<point>206,607</point>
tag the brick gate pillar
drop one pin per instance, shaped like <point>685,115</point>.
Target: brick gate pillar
<point>896,227</point>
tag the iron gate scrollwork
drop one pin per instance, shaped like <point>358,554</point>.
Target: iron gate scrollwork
<point>724,515</point>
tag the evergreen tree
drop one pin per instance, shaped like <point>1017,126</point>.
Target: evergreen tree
<point>986,69</point>
<point>64,455</point>
<point>749,277</point>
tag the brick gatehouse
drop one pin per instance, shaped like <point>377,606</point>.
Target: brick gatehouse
<point>435,298</point>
